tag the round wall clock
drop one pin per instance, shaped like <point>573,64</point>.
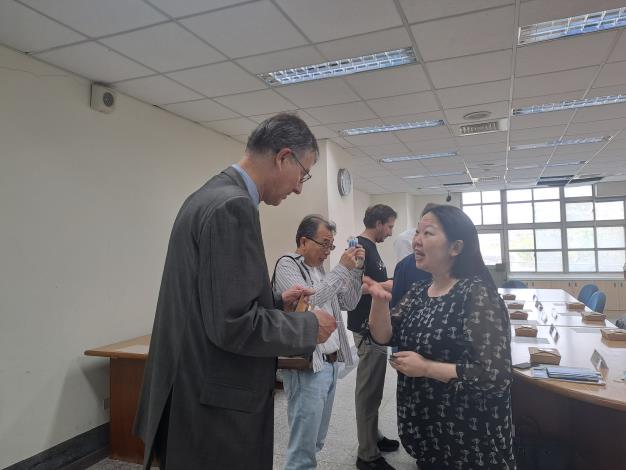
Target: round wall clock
<point>344,182</point>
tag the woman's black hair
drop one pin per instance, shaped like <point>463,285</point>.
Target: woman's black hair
<point>458,226</point>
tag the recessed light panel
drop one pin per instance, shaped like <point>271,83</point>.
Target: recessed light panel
<point>338,68</point>
<point>574,26</point>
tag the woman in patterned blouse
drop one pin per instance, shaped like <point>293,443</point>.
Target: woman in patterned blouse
<point>454,358</point>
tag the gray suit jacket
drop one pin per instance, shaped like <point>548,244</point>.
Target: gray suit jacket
<point>209,379</point>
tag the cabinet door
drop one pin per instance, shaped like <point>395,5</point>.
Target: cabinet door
<point>611,289</point>
<point>621,295</point>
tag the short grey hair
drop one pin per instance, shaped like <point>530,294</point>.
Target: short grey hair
<point>310,225</point>
<point>280,131</point>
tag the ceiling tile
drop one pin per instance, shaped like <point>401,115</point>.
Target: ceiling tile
<point>280,60</point>
<point>379,151</point>
<point>536,100</point>
<point>25,30</point>
<point>600,113</point>
<point>246,30</point>
<point>94,62</point>
<point>364,44</point>
<point>218,79</point>
<point>190,7</point>
<point>321,132</point>
<point>323,20</point>
<point>537,134</point>
<point>612,74</point>
<point>355,124</point>
<point>467,34</point>
<point>343,143</point>
<point>157,90</point>
<point>498,110</point>
<point>610,126</point>
<point>561,54</point>
<point>232,127</point>
<point>430,116</point>
<point>432,146</point>
<point>341,112</point>
<point>481,149</point>
<point>619,51</point>
<point>528,121</point>
<point>538,11</point>
<point>256,102</point>
<point>373,139</point>
<point>482,139</point>
<point>418,135</point>
<point>476,69</point>
<point>606,91</point>
<point>474,94</point>
<point>423,10</point>
<point>164,47</point>
<point>405,104</point>
<point>318,93</point>
<point>554,82</point>
<point>96,18</point>
<point>390,82</point>
<point>202,110</point>
<point>243,138</point>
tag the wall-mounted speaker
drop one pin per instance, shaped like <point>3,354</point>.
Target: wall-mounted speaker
<point>103,99</point>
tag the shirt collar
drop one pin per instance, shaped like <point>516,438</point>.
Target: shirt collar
<point>250,186</point>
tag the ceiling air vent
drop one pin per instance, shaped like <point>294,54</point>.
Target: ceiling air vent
<point>488,179</point>
<point>561,180</point>
<point>462,183</point>
<point>586,179</point>
<point>483,127</point>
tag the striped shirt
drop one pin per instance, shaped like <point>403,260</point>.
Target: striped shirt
<point>339,289</point>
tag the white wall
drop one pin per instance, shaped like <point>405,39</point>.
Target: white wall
<point>319,196</point>
<point>340,208</point>
<point>399,203</point>
<point>87,201</point>
<point>362,201</point>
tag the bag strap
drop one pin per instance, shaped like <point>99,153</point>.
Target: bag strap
<point>300,268</point>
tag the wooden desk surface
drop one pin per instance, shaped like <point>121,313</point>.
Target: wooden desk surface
<point>136,348</point>
<point>576,345</point>
<point>544,295</point>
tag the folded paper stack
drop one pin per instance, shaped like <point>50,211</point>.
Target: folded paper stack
<point>544,355</point>
<point>526,330</point>
<point>518,315</point>
<point>613,334</point>
<point>593,316</point>
<point>575,305</point>
<point>508,296</point>
<point>515,305</point>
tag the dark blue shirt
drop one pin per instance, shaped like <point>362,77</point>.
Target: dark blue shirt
<point>404,276</point>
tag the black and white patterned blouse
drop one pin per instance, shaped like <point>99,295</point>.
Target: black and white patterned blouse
<point>466,423</point>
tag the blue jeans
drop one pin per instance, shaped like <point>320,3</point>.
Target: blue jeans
<point>309,404</point>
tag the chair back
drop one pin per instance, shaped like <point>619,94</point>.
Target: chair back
<point>597,301</point>
<point>586,291</point>
<point>514,284</point>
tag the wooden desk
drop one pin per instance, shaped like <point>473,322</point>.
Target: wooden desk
<point>591,419</point>
<point>127,361</point>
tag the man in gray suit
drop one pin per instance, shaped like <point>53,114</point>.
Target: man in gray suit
<point>207,398</point>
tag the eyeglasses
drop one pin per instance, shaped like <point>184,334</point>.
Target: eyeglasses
<point>326,245</point>
<point>307,176</point>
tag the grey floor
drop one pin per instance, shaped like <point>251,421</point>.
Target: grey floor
<point>339,453</point>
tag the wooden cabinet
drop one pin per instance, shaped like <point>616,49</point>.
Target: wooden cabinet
<point>615,290</point>
<point>615,294</point>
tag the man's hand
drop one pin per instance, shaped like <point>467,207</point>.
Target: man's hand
<point>349,257</point>
<point>375,289</point>
<point>326,325</point>
<point>293,294</point>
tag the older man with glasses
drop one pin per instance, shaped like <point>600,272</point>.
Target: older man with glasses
<point>310,392</point>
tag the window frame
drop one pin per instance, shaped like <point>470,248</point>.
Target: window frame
<point>563,225</point>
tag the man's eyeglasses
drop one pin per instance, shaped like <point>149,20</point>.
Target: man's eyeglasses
<point>307,176</point>
<point>326,245</point>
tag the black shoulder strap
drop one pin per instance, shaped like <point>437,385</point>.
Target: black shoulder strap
<point>300,268</point>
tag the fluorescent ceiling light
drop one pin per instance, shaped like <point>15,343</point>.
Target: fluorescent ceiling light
<point>436,175</point>
<point>391,128</point>
<point>569,104</point>
<point>560,142</point>
<point>427,156</point>
<point>337,68</point>
<point>574,26</point>
<point>580,162</point>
